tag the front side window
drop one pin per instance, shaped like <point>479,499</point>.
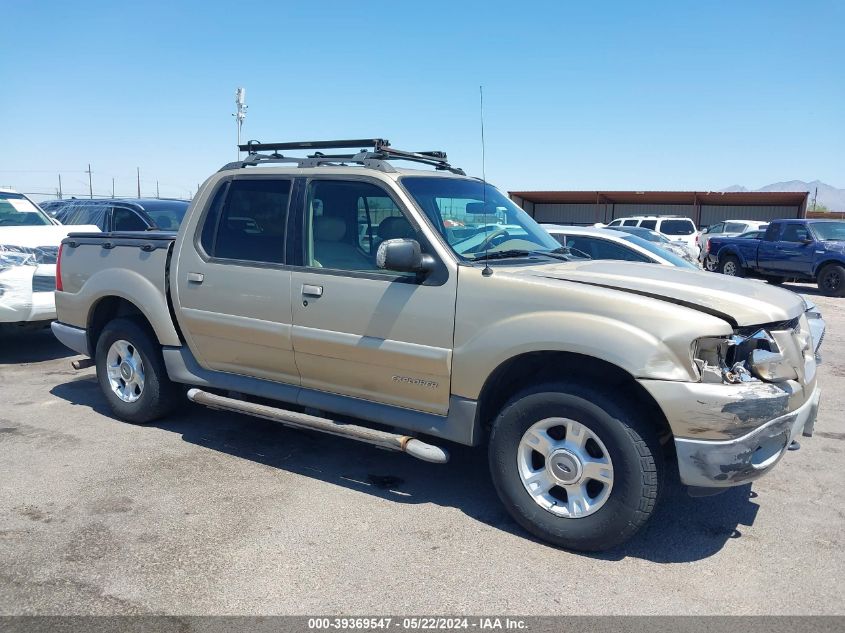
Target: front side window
<point>18,210</point>
<point>795,233</point>
<point>346,221</point>
<point>630,223</point>
<point>475,218</point>
<point>735,227</point>
<point>677,227</point>
<point>717,228</point>
<point>250,224</point>
<point>616,223</point>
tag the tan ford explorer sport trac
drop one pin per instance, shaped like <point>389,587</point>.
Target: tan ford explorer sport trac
<point>412,308</point>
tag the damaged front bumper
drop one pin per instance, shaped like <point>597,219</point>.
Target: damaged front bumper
<point>728,435</point>
<point>720,464</point>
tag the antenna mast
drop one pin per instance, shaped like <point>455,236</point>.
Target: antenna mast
<point>487,270</point>
<point>240,113</point>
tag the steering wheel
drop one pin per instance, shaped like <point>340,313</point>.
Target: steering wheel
<point>489,238</point>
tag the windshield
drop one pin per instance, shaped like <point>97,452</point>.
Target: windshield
<point>473,217</point>
<point>677,227</point>
<point>651,247</point>
<point>829,231</point>
<point>18,210</point>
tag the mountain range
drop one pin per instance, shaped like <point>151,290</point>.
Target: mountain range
<point>829,196</point>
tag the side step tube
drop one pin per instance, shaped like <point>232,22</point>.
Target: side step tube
<point>383,439</point>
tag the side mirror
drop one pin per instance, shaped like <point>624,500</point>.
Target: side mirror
<point>403,256</point>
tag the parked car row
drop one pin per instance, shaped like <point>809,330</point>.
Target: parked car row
<point>30,235</point>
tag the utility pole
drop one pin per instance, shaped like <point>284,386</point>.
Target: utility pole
<point>60,186</point>
<point>240,114</point>
<point>90,188</point>
<point>112,188</point>
<point>139,181</point>
<point>815,195</point>
<point>157,193</point>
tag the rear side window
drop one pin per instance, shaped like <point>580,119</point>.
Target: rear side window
<point>649,224</point>
<point>630,223</point>
<point>249,224</point>
<point>127,220</point>
<point>598,248</point>
<point>677,227</point>
<point>81,213</point>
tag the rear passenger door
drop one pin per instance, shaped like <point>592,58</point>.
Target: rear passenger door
<point>233,288</point>
<point>358,330</point>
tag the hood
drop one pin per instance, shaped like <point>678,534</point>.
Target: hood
<point>740,302</point>
<point>44,235</point>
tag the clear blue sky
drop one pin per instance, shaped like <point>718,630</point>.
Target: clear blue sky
<point>612,95</point>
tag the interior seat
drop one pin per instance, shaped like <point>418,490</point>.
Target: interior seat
<point>392,228</point>
<point>330,251</point>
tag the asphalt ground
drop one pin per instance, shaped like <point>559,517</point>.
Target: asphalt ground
<point>213,513</point>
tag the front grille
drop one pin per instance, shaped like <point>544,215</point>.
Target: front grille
<point>43,283</point>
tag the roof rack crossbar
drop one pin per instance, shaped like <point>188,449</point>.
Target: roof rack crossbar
<point>375,159</point>
<point>254,146</point>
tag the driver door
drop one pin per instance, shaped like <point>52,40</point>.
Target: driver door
<point>358,330</point>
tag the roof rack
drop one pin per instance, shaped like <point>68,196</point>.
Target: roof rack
<point>375,158</point>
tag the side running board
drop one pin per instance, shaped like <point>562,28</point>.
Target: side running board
<point>383,439</point>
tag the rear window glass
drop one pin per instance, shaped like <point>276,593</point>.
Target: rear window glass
<point>677,227</point>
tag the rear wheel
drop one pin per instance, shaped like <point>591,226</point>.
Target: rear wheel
<point>831,280</point>
<point>575,467</point>
<point>729,265</point>
<point>131,373</point>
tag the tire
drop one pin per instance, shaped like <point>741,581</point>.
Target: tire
<point>729,265</point>
<point>831,280</point>
<point>775,281</point>
<point>155,395</point>
<point>623,438</point>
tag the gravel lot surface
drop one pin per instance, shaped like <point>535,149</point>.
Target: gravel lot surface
<point>213,513</point>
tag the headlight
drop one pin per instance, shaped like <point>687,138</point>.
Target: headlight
<point>737,359</point>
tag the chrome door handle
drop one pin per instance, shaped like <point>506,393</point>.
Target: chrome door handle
<point>195,278</point>
<point>312,291</point>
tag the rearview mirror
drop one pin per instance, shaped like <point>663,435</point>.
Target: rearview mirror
<point>404,256</point>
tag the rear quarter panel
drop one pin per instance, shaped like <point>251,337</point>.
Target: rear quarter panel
<point>91,273</point>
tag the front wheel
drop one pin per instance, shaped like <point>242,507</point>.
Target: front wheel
<point>131,373</point>
<point>832,280</point>
<point>574,466</point>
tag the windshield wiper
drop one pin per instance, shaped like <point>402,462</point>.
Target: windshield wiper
<point>502,254</point>
<point>558,253</point>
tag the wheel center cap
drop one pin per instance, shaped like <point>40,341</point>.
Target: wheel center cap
<point>126,370</point>
<point>565,466</point>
